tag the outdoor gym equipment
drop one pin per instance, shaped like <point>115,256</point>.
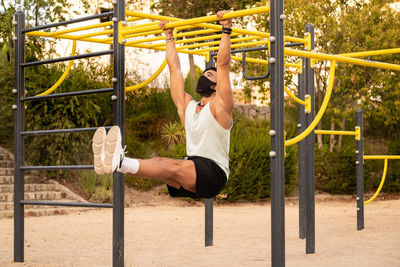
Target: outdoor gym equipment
<point>126,34</point>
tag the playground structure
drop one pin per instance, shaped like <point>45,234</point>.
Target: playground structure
<point>149,36</point>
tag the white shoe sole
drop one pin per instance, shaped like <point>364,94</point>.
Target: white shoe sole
<point>98,149</point>
<point>113,139</point>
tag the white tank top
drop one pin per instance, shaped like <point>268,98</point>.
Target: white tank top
<point>205,137</point>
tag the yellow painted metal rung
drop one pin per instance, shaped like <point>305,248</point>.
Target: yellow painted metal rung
<point>83,28</point>
<point>356,61</point>
<point>234,40</point>
<point>204,19</point>
<point>381,157</point>
<point>330,132</point>
<point>372,53</point>
<point>72,37</point>
<point>95,34</point>
<point>234,46</point>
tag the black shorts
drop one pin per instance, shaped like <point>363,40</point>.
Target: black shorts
<point>210,180</point>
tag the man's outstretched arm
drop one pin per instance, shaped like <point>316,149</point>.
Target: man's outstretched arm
<point>177,84</point>
<point>224,95</point>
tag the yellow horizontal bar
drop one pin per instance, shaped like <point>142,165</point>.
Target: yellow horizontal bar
<point>380,185</point>
<point>249,59</point>
<point>70,37</point>
<point>234,46</point>
<point>372,53</point>
<point>95,34</point>
<point>321,110</point>
<point>83,28</point>
<point>335,132</point>
<point>204,19</point>
<point>381,157</point>
<point>356,61</point>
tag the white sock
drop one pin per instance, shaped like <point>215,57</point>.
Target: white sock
<point>129,165</point>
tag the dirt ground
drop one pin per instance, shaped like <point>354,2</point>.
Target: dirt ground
<point>165,232</point>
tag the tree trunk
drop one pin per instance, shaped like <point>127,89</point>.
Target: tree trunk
<point>319,136</point>
<point>332,141</point>
<point>192,71</point>
<point>342,128</point>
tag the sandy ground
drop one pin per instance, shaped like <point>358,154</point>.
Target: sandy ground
<point>172,234</point>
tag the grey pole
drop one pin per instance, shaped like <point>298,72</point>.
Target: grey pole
<point>19,125</point>
<point>119,114</point>
<point>310,169</point>
<point>301,126</point>
<point>277,135</point>
<point>360,172</point>
<point>208,203</point>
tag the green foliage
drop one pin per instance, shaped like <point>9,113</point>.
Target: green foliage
<point>335,172</point>
<point>173,132</point>
<point>98,188</point>
<point>191,88</point>
<point>250,164</point>
<point>392,181</point>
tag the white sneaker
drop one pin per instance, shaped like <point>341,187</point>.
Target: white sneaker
<point>114,151</point>
<point>99,152</point>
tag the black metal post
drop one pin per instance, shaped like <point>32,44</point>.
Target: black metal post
<point>310,140</point>
<point>208,203</point>
<point>360,172</point>
<point>301,119</point>
<point>19,126</point>
<point>119,114</point>
<point>277,134</point>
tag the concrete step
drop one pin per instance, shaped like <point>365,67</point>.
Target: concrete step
<point>9,179</point>
<point>6,171</point>
<point>9,188</point>
<point>6,156</point>
<point>43,195</point>
<point>43,211</point>
<point>6,164</point>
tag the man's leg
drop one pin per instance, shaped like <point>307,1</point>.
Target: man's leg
<point>174,172</point>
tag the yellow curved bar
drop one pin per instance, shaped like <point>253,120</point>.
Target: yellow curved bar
<point>380,185</point>
<point>295,98</point>
<point>149,80</point>
<point>62,78</point>
<point>320,112</point>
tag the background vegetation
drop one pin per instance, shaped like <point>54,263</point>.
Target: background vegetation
<point>152,124</point>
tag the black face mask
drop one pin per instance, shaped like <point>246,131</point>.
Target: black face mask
<point>203,87</point>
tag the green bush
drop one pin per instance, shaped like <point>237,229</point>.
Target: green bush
<point>98,188</point>
<point>250,163</point>
<point>392,181</point>
<point>335,172</point>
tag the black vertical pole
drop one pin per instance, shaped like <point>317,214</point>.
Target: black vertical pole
<point>208,203</point>
<point>310,140</point>
<point>360,172</point>
<point>118,98</point>
<point>277,134</point>
<point>301,126</point>
<point>19,125</point>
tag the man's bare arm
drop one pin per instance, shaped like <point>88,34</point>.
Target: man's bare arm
<point>177,84</point>
<point>224,95</point>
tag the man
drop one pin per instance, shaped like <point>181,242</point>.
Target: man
<point>207,125</point>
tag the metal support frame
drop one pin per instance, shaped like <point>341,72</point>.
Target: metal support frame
<point>19,131</point>
<point>309,164</point>
<point>277,135</point>
<point>360,172</point>
<point>19,118</point>
<point>119,115</point>
<point>208,203</point>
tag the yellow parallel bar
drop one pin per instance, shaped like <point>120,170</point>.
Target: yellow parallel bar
<point>71,37</point>
<point>207,25</point>
<point>234,40</point>
<point>249,59</point>
<point>82,36</point>
<point>380,185</point>
<point>204,19</point>
<point>62,78</point>
<point>83,28</point>
<point>356,61</point>
<point>335,132</point>
<point>321,110</point>
<point>372,53</point>
<point>149,80</point>
<point>382,157</point>
<point>234,46</point>
<point>160,31</point>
